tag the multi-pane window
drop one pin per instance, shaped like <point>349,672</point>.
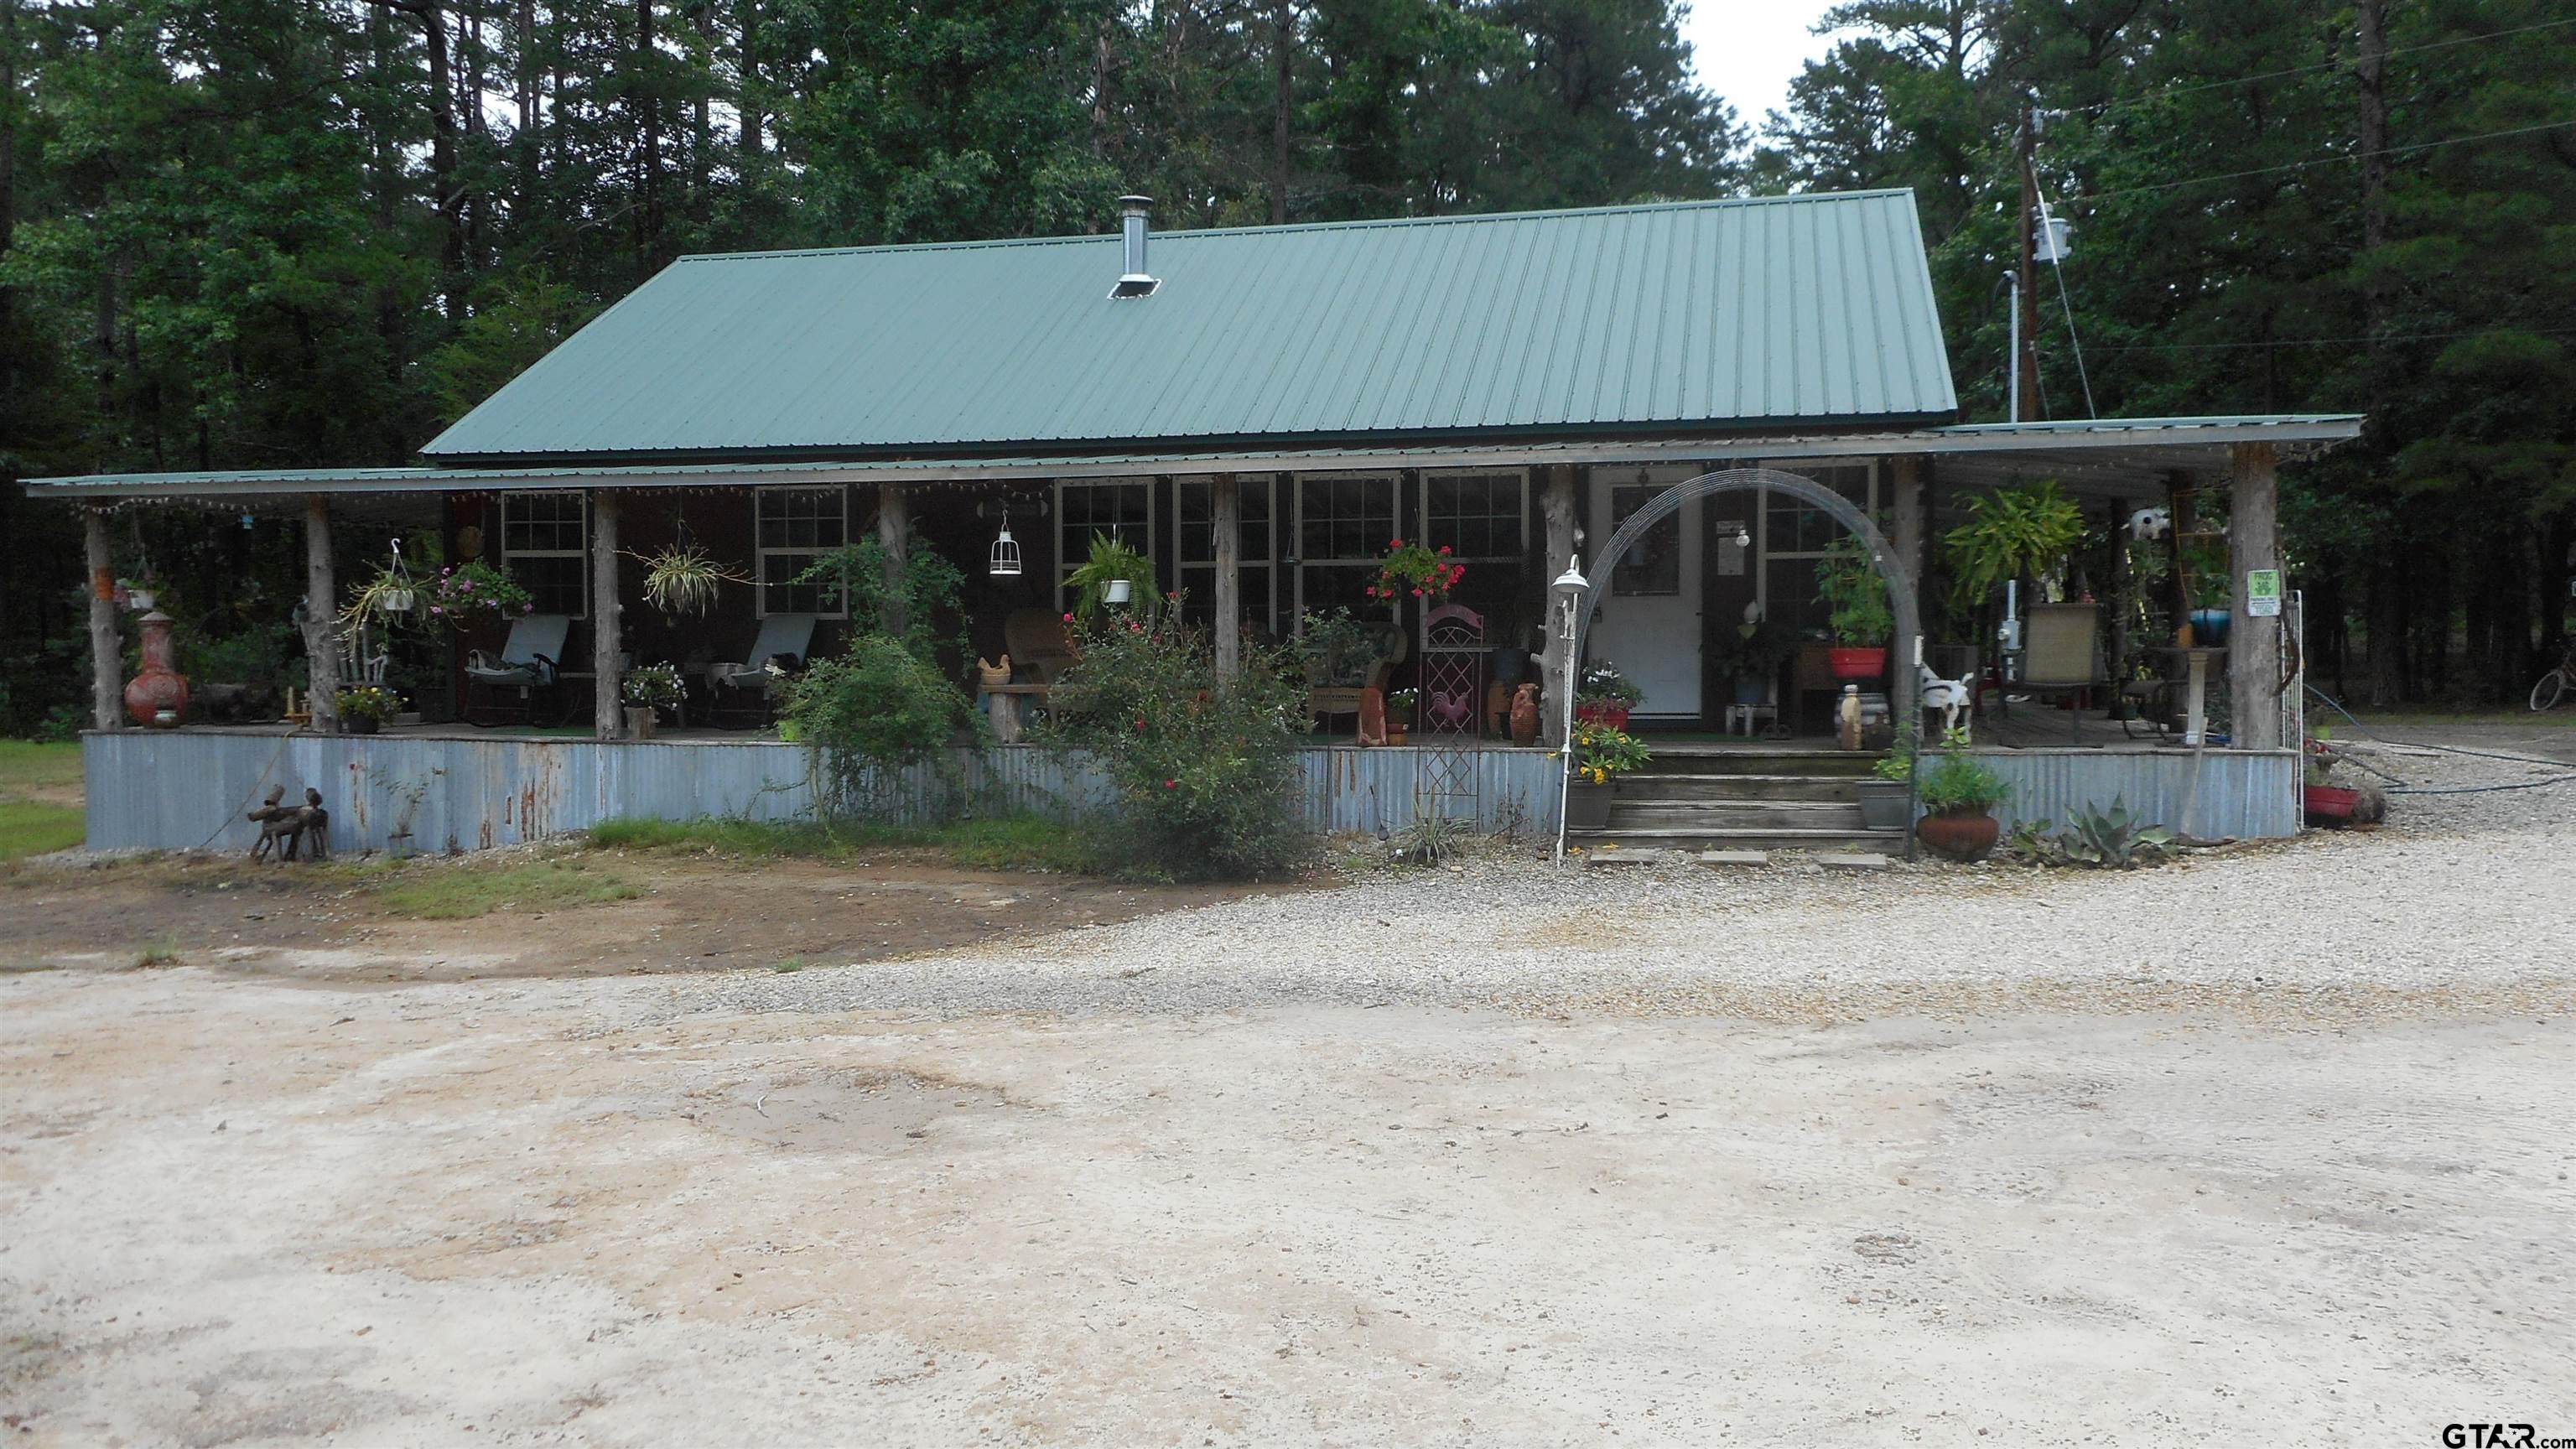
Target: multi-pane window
<point>1121,509</point>
<point>1796,534</point>
<point>545,547</point>
<point>1652,566</point>
<point>1477,515</point>
<point>796,527</point>
<point>1194,519</point>
<point>1344,526</point>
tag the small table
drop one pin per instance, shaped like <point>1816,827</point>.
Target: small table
<point>1002,707</point>
<point>1748,715</point>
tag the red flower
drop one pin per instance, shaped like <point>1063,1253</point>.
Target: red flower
<point>1417,593</point>
<point>1140,724</point>
<point>1395,543</point>
<point>1444,548</point>
<point>1171,784</point>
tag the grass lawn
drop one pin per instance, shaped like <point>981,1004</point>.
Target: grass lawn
<point>1015,842</point>
<point>38,783</point>
<point>462,891</point>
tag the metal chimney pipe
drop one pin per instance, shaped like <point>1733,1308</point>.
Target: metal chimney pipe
<point>1133,211</point>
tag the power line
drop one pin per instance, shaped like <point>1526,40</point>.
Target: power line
<point>2323,161</point>
<point>2126,102</point>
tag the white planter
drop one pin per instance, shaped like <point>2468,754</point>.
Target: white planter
<point>1118,591</point>
<point>139,600</point>
<point>396,601</point>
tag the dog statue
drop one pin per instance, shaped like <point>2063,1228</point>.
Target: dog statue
<point>312,828</point>
<point>1950,696</point>
<point>273,823</point>
<point>1525,716</point>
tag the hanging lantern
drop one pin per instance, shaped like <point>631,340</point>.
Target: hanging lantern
<point>1006,555</point>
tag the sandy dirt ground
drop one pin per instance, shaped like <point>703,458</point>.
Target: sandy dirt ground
<point>261,1201</point>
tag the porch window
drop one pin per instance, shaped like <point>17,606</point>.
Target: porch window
<point>1343,525</point>
<point>1119,507</point>
<point>1478,516</point>
<point>1796,534</point>
<point>545,541</point>
<point>1194,524</point>
<point>798,526</point>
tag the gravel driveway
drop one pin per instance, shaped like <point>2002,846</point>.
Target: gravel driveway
<point>2276,1138</point>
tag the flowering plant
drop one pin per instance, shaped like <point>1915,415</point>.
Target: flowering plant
<point>1601,752</point>
<point>369,701</point>
<point>475,591</point>
<point>656,685</point>
<point>1415,568</point>
<point>1603,684</point>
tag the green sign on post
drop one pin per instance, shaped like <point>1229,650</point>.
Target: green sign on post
<point>2263,593</point>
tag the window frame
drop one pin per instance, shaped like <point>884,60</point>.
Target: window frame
<point>1762,519</point>
<point>1423,522</point>
<point>1264,485</point>
<point>580,553</point>
<point>1065,560</point>
<point>762,552</point>
<point>1394,481</point>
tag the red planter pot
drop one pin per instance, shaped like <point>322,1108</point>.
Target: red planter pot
<point>1960,837</point>
<point>1857,663</point>
<point>2330,805</point>
<point>1613,715</point>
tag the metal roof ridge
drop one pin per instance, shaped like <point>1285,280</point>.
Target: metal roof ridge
<point>1350,224</point>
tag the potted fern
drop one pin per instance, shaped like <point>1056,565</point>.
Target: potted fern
<point>1113,574</point>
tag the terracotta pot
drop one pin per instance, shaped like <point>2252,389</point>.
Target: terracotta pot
<point>158,695</point>
<point>1959,836</point>
<point>1587,806</point>
<point>1856,664</point>
<point>2330,806</point>
<point>1613,715</point>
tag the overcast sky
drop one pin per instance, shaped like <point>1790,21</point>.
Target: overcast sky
<point>1749,50</point>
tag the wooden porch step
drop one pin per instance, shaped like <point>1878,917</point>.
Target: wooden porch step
<point>1661,786</point>
<point>1729,816</point>
<point>1890,842</point>
<point>1695,758</point>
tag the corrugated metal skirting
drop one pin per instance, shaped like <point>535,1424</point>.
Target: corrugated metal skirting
<point>2247,794</point>
<point>190,789</point>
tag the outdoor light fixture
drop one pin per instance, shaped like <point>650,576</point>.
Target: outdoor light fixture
<point>1743,537</point>
<point>1572,585</point>
<point>1006,555</point>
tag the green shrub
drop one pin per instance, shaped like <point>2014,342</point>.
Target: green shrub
<point>926,592</point>
<point>1960,783</point>
<point>1204,771</point>
<point>867,714</point>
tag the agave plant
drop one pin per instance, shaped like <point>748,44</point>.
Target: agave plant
<point>683,578</point>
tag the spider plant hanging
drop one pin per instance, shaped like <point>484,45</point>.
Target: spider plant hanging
<point>387,596</point>
<point>682,578</point>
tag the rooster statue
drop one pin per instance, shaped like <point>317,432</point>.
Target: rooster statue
<point>1452,710</point>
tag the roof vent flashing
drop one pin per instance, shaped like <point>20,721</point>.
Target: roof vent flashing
<point>1133,280</point>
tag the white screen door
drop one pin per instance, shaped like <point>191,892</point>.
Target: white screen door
<point>1649,607</point>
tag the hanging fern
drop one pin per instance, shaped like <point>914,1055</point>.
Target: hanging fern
<point>2010,534</point>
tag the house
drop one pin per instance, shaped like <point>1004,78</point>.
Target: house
<point>1291,398</point>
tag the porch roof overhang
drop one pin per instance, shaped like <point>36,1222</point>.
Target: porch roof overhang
<point>2120,457</point>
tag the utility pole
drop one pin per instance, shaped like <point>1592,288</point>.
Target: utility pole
<point>2026,288</point>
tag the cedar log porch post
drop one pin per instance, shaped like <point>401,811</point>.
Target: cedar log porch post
<point>2124,605</point>
<point>1556,507</point>
<point>106,650</point>
<point>2254,645</point>
<point>894,535</point>
<point>321,618</point>
<point>607,682</point>
<point>1227,519</point>
<point>1905,473</point>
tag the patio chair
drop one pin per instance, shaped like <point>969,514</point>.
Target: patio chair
<point>1036,642</point>
<point>526,664</point>
<point>741,695</point>
<point>2062,656</point>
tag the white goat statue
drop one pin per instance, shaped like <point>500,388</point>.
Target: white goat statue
<point>1950,696</point>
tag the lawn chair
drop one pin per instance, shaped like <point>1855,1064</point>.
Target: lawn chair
<point>525,666</point>
<point>740,696</point>
<point>2062,655</point>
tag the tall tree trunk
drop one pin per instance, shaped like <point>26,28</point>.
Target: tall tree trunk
<point>1283,54</point>
<point>748,99</point>
<point>525,142</point>
<point>648,106</point>
<point>2389,676</point>
<point>2557,537</point>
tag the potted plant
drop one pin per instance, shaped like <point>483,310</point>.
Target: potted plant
<point>1750,654</point>
<point>142,595</point>
<point>2010,533</point>
<point>386,598</point>
<point>1849,586</point>
<point>1886,797</point>
<point>1113,574</point>
<point>474,592</point>
<point>1605,696</point>
<point>1602,753</point>
<point>365,707</point>
<point>682,579</point>
<point>1416,569</point>
<point>1400,708</point>
<point>1337,649</point>
<point>650,692</point>
<point>1959,794</point>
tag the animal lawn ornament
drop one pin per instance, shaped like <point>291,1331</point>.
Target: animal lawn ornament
<point>1452,709</point>
<point>1372,716</point>
<point>274,826</point>
<point>2149,523</point>
<point>1950,696</point>
<point>312,828</point>
<point>1525,716</point>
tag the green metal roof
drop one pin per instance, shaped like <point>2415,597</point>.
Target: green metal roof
<point>1798,310</point>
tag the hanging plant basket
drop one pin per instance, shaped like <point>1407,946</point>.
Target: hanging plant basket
<point>683,579</point>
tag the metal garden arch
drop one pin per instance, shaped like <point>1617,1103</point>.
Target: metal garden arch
<point>1900,581</point>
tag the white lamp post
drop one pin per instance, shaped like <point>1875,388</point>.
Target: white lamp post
<point>1571,586</point>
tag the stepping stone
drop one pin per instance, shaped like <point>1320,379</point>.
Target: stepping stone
<point>1623,857</point>
<point>1734,857</point>
<point>1853,860</point>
